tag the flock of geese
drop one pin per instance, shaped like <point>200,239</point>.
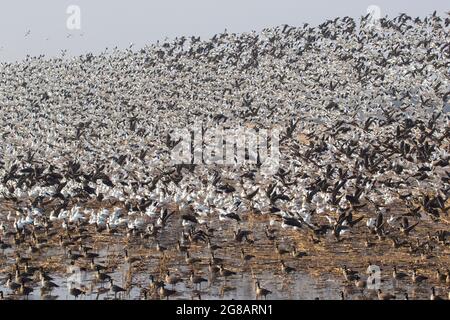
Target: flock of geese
<point>87,185</point>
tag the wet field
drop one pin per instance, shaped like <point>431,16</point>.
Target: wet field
<point>316,275</point>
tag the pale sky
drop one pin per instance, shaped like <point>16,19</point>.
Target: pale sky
<point>107,23</point>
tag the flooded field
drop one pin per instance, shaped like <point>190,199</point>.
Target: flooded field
<point>315,274</point>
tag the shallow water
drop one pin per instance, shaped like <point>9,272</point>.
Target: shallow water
<point>316,275</point>
<point>299,285</point>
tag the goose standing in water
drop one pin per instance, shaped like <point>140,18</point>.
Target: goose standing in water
<point>398,275</point>
<point>166,293</point>
<point>75,291</point>
<point>434,296</point>
<point>261,292</point>
<point>417,278</point>
<point>115,289</point>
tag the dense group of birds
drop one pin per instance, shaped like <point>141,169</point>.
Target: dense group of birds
<point>85,159</point>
